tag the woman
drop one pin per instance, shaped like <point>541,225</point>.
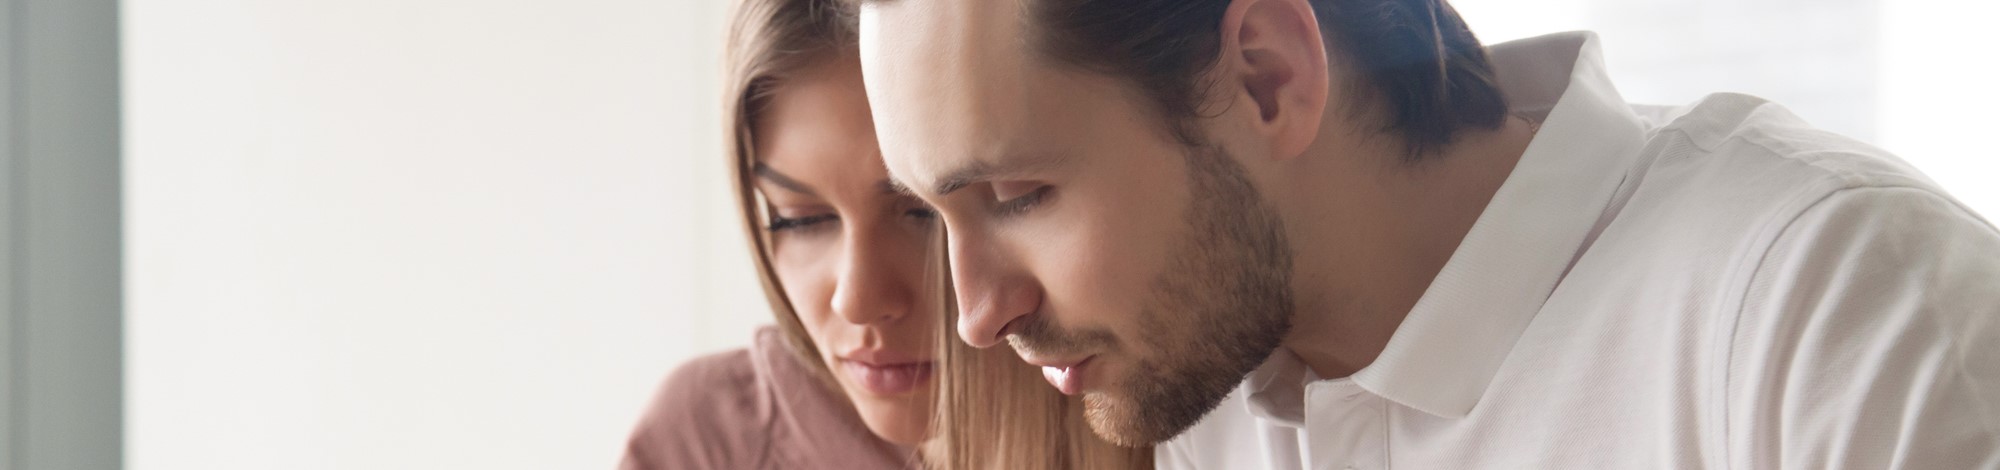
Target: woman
<point>860,371</point>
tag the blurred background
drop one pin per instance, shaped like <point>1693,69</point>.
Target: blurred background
<point>420,234</point>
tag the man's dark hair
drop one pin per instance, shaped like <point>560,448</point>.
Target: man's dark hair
<point>1431,75</point>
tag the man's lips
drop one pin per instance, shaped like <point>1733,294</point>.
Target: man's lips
<point>1065,375</point>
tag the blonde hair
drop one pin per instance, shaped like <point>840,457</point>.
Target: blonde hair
<point>768,41</point>
<point>992,410</point>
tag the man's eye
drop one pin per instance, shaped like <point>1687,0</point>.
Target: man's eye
<point>1004,191</point>
<point>1021,203</point>
<point>801,224</point>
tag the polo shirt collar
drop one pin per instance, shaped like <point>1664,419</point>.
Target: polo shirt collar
<point>1445,353</point>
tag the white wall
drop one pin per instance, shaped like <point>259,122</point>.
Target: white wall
<point>1939,102</point>
<point>397,234</point>
<point>420,234</point>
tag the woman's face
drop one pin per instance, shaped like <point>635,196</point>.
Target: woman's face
<point>849,250</point>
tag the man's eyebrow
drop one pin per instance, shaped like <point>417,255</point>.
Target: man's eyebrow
<point>962,177</point>
<point>781,180</point>
<point>981,170</point>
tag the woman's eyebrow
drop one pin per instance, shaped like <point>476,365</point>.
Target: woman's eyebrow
<point>765,172</point>
<point>891,187</point>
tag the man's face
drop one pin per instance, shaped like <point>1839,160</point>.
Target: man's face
<point>1146,274</point>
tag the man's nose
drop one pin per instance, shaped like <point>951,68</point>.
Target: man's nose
<point>990,297</point>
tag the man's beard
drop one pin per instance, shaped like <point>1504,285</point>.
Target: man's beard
<point>1220,308</point>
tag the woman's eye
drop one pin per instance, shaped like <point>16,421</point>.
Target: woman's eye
<point>801,224</point>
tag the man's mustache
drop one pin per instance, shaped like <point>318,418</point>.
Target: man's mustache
<point>1039,334</point>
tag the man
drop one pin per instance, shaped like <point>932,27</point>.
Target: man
<point>1343,234</point>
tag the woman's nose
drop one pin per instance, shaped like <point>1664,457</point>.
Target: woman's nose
<point>870,288</point>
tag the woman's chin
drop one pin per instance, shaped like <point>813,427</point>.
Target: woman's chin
<point>905,423</point>
<point>904,419</point>
<point>894,401</point>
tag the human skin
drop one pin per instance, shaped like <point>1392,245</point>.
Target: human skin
<point>848,251</point>
<point>1070,204</point>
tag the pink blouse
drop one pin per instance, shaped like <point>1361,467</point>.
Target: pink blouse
<point>755,408</point>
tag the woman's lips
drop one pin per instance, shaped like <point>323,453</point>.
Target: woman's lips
<point>887,379</point>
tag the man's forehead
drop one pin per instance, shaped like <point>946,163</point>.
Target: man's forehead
<point>948,83</point>
<point>918,174</point>
<point>996,18</point>
<point>942,39</point>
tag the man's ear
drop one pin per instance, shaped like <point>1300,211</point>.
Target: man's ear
<point>1273,50</point>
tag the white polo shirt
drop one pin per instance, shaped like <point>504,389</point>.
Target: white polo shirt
<point>1713,286</point>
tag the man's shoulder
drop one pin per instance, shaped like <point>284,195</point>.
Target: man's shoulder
<point>1741,167</point>
<point>1849,300</point>
<point>1798,215</point>
<point>1744,132</point>
<point>1733,184</point>
<point>1869,326</point>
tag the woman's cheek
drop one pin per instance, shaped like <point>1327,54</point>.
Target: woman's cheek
<point>803,270</point>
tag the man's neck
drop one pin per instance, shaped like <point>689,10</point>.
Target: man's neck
<point>1368,245</point>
